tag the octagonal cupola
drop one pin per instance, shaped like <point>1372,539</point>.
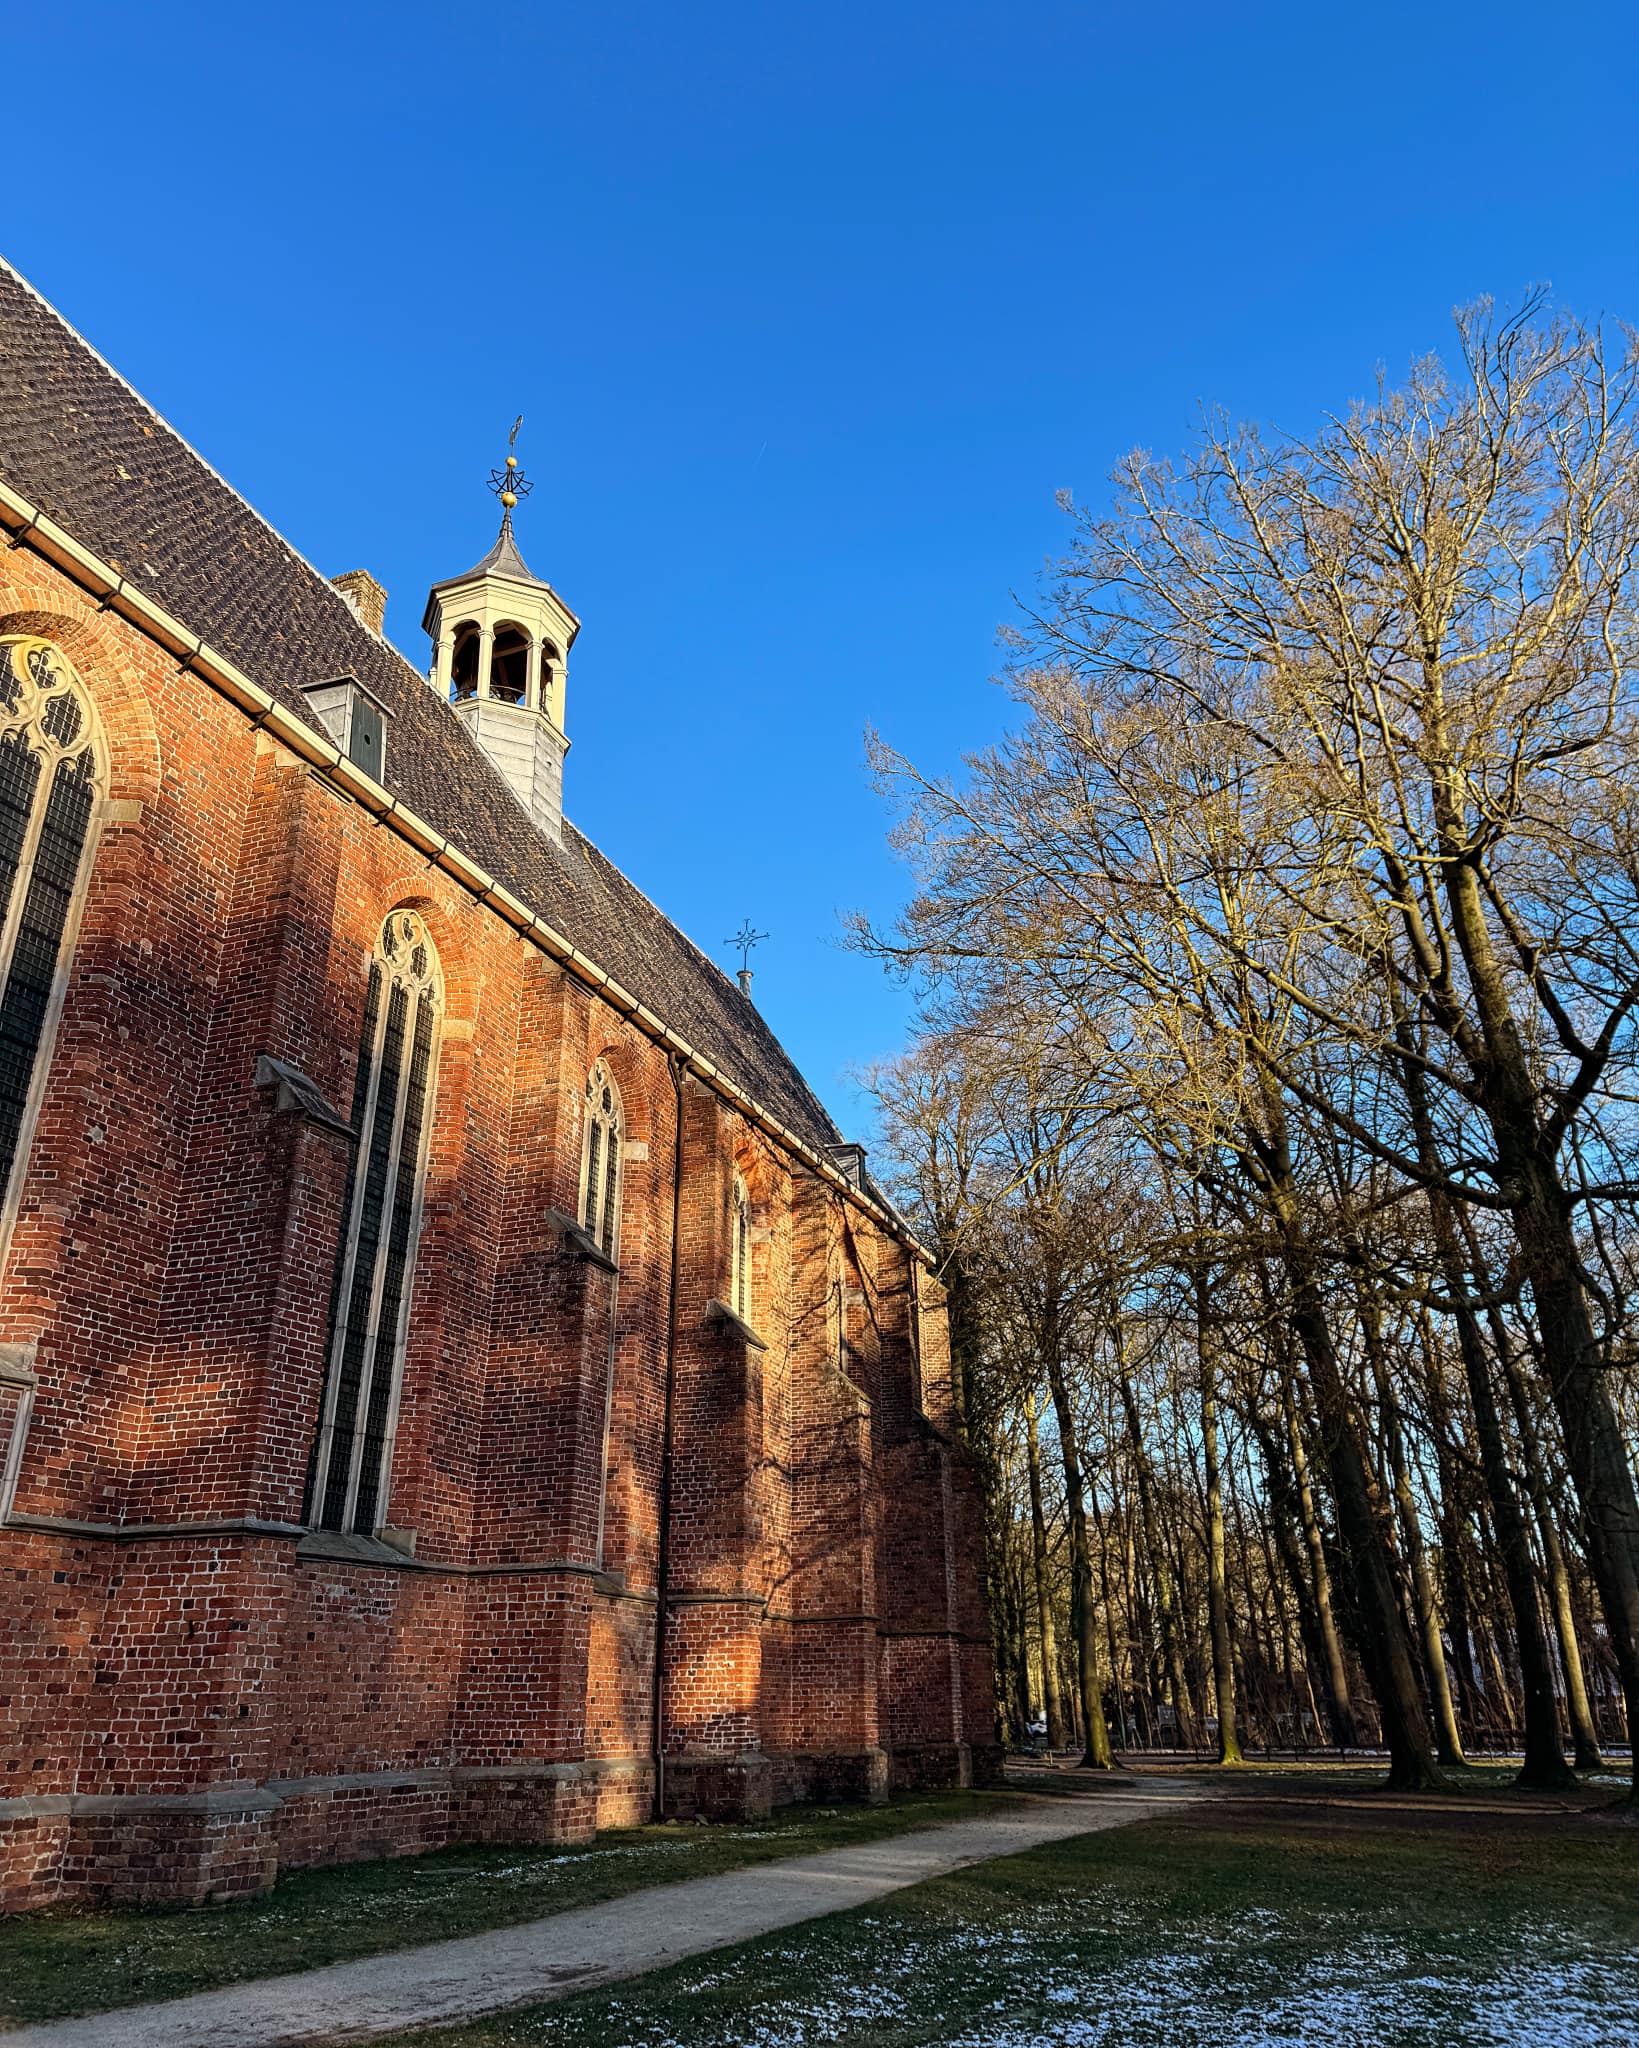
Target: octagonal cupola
<point>501,640</point>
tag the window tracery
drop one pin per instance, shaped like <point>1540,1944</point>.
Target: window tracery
<point>739,1239</point>
<point>51,781</point>
<point>381,1216</point>
<point>600,1160</point>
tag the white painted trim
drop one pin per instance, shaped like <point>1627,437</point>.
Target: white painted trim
<point>739,1247</point>
<point>12,1469</point>
<point>611,1160</point>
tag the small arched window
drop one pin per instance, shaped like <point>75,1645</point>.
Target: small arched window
<point>509,665</point>
<point>375,1261</point>
<point>739,1250</point>
<point>551,668</point>
<point>600,1161</point>
<point>50,783</point>
<point>464,662</point>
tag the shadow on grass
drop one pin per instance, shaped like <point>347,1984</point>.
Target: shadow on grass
<point>1215,1929</point>
<point>53,1964</point>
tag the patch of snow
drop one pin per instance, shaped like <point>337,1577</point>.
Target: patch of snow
<point>1262,1980</point>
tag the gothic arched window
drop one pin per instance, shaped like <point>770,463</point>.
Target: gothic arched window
<point>739,1250</point>
<point>375,1261</point>
<point>509,665</point>
<point>600,1161</point>
<point>50,783</point>
<point>464,661</point>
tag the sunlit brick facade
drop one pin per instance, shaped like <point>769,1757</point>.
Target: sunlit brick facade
<point>589,1454</point>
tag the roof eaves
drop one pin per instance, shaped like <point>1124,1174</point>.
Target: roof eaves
<point>31,525</point>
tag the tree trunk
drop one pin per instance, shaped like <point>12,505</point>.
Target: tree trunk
<point>1542,1216</point>
<point>1385,1648</point>
<point>1084,1622</point>
<point>1021,1657</point>
<point>1584,1729</point>
<point>1448,1741</point>
<point>1052,1701</point>
<point>1111,1642</point>
<point>1223,1668</point>
<point>1285,1521</point>
<point>1336,1671</point>
<point>1459,1601</point>
<point>1544,1762</point>
<point>1166,1604</point>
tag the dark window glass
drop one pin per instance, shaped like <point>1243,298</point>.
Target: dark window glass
<point>347,1483</point>
<point>600,1205</point>
<point>19,779</point>
<point>611,1176</point>
<point>349,1366</point>
<point>361,1096</point>
<point>38,945</point>
<point>378,1405</point>
<point>365,737</point>
<point>594,1160</point>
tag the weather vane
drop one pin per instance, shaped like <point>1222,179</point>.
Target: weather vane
<point>745,938</point>
<point>510,484</point>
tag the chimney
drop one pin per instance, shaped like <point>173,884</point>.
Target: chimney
<point>364,594</point>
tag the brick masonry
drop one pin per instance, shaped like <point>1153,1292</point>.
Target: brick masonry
<point>195,1693</point>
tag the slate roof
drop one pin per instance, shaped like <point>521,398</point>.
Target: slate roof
<point>79,443</point>
<point>503,559</point>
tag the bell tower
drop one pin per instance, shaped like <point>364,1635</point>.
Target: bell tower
<point>501,641</point>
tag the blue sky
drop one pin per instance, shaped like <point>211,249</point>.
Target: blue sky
<point>809,311</point>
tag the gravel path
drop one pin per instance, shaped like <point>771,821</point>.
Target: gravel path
<point>448,1981</point>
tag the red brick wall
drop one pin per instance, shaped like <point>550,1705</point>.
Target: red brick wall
<point>184,1709</point>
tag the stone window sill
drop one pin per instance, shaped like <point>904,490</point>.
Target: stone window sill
<point>579,1242</point>
<point>720,1312</point>
<point>345,1547</point>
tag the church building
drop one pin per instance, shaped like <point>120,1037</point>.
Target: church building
<point>456,1382</point>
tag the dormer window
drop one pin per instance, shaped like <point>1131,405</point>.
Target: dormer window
<point>849,1161</point>
<point>355,720</point>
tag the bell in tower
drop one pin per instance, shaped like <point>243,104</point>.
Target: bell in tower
<point>501,637</point>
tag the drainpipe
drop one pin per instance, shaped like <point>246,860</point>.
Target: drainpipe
<point>674,1064</point>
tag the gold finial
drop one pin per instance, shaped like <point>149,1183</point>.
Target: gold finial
<point>510,484</point>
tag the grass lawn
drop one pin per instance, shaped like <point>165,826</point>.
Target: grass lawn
<point>53,1964</point>
<point>1312,1913</point>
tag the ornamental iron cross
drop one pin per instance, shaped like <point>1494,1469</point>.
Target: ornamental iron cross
<point>745,938</point>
